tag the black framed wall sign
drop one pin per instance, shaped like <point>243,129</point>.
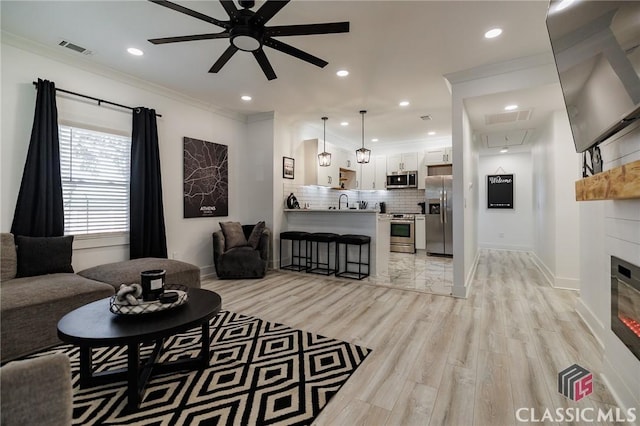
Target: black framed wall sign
<point>288,167</point>
<point>500,191</point>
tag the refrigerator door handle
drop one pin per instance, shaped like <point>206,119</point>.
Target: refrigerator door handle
<point>445,206</point>
<point>441,207</point>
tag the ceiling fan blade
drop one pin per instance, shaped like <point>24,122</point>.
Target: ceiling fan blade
<point>297,53</point>
<point>267,11</point>
<point>264,64</point>
<point>307,29</point>
<point>230,8</point>
<point>193,13</point>
<point>224,34</point>
<point>224,58</point>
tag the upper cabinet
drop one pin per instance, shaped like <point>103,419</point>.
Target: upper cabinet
<point>373,175</point>
<point>402,163</point>
<point>341,172</point>
<point>438,156</point>
<point>345,159</point>
<point>313,173</point>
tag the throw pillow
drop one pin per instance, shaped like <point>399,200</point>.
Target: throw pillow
<point>44,255</point>
<point>256,233</point>
<point>9,263</point>
<point>233,235</point>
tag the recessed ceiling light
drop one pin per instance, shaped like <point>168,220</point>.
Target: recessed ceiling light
<point>135,52</point>
<point>342,73</point>
<point>404,103</point>
<point>344,123</point>
<point>492,33</point>
<point>245,97</point>
<point>504,150</point>
<point>511,107</point>
<point>431,133</point>
<point>374,140</point>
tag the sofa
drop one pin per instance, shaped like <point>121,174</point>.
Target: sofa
<point>31,306</point>
<point>239,252</point>
<point>36,391</point>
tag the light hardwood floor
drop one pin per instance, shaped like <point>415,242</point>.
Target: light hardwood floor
<point>437,360</point>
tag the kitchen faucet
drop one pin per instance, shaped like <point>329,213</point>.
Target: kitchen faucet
<point>340,200</point>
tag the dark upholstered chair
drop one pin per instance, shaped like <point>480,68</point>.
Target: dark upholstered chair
<point>241,262</point>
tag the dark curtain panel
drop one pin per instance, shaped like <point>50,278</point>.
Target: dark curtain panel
<point>39,210</point>
<point>147,237</point>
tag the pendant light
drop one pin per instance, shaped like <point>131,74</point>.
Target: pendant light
<point>324,158</point>
<point>363,155</point>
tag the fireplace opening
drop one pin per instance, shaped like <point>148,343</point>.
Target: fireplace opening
<point>625,303</point>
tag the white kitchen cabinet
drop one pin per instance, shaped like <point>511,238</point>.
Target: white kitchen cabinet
<point>313,173</point>
<point>373,175</point>
<point>343,158</point>
<point>438,156</point>
<point>422,170</point>
<point>421,232</point>
<point>380,181</point>
<point>399,163</point>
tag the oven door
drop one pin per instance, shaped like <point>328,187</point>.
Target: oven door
<point>402,236</point>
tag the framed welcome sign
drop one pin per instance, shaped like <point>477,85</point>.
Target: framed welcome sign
<point>500,191</point>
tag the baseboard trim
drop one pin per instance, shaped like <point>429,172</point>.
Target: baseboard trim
<point>591,321</point>
<point>546,272</point>
<point>623,396</point>
<point>208,271</point>
<point>463,292</point>
<point>555,282</point>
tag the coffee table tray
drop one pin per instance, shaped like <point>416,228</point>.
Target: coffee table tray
<point>147,307</point>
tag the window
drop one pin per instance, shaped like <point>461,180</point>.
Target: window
<point>95,168</point>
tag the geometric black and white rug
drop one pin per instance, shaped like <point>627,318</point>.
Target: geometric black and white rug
<point>260,373</point>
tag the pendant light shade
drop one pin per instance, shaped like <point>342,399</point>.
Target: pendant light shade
<point>363,155</point>
<point>324,158</point>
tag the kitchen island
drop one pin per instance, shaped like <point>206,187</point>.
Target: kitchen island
<point>347,221</point>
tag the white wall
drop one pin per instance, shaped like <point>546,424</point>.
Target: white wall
<point>509,229</point>
<point>189,239</point>
<point>556,167</point>
<point>610,228</point>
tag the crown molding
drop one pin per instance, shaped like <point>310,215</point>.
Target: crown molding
<point>112,74</point>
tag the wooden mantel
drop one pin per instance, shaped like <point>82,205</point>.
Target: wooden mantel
<point>620,183</point>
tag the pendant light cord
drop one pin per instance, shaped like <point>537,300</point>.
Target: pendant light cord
<point>363,112</point>
<point>324,134</point>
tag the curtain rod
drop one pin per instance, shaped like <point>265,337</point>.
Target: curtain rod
<point>100,101</point>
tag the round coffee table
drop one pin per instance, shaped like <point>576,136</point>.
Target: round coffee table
<point>93,325</point>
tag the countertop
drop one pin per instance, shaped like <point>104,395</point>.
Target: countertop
<point>332,211</point>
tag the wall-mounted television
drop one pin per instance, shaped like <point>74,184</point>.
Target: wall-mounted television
<point>597,54</point>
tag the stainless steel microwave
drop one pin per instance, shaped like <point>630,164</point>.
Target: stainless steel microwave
<point>403,180</point>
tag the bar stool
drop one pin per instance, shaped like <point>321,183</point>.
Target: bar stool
<point>314,265</point>
<point>296,255</point>
<point>353,240</point>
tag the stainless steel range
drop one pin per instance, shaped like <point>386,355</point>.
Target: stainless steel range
<point>403,238</point>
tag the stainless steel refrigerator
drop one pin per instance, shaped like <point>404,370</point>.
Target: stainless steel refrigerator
<point>439,217</point>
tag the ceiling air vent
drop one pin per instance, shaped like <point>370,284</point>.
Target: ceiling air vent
<point>75,47</point>
<point>426,117</point>
<point>508,117</point>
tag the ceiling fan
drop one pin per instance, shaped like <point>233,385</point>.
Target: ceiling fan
<point>247,31</point>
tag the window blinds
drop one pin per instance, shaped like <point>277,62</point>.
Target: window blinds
<point>95,170</point>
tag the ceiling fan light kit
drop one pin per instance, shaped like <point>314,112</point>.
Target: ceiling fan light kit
<point>363,155</point>
<point>247,31</point>
<point>324,158</point>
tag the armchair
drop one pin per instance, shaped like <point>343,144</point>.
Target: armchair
<point>242,261</point>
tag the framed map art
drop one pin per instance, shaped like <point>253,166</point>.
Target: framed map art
<point>206,179</point>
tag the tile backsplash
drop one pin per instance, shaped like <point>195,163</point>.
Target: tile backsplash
<point>318,197</point>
